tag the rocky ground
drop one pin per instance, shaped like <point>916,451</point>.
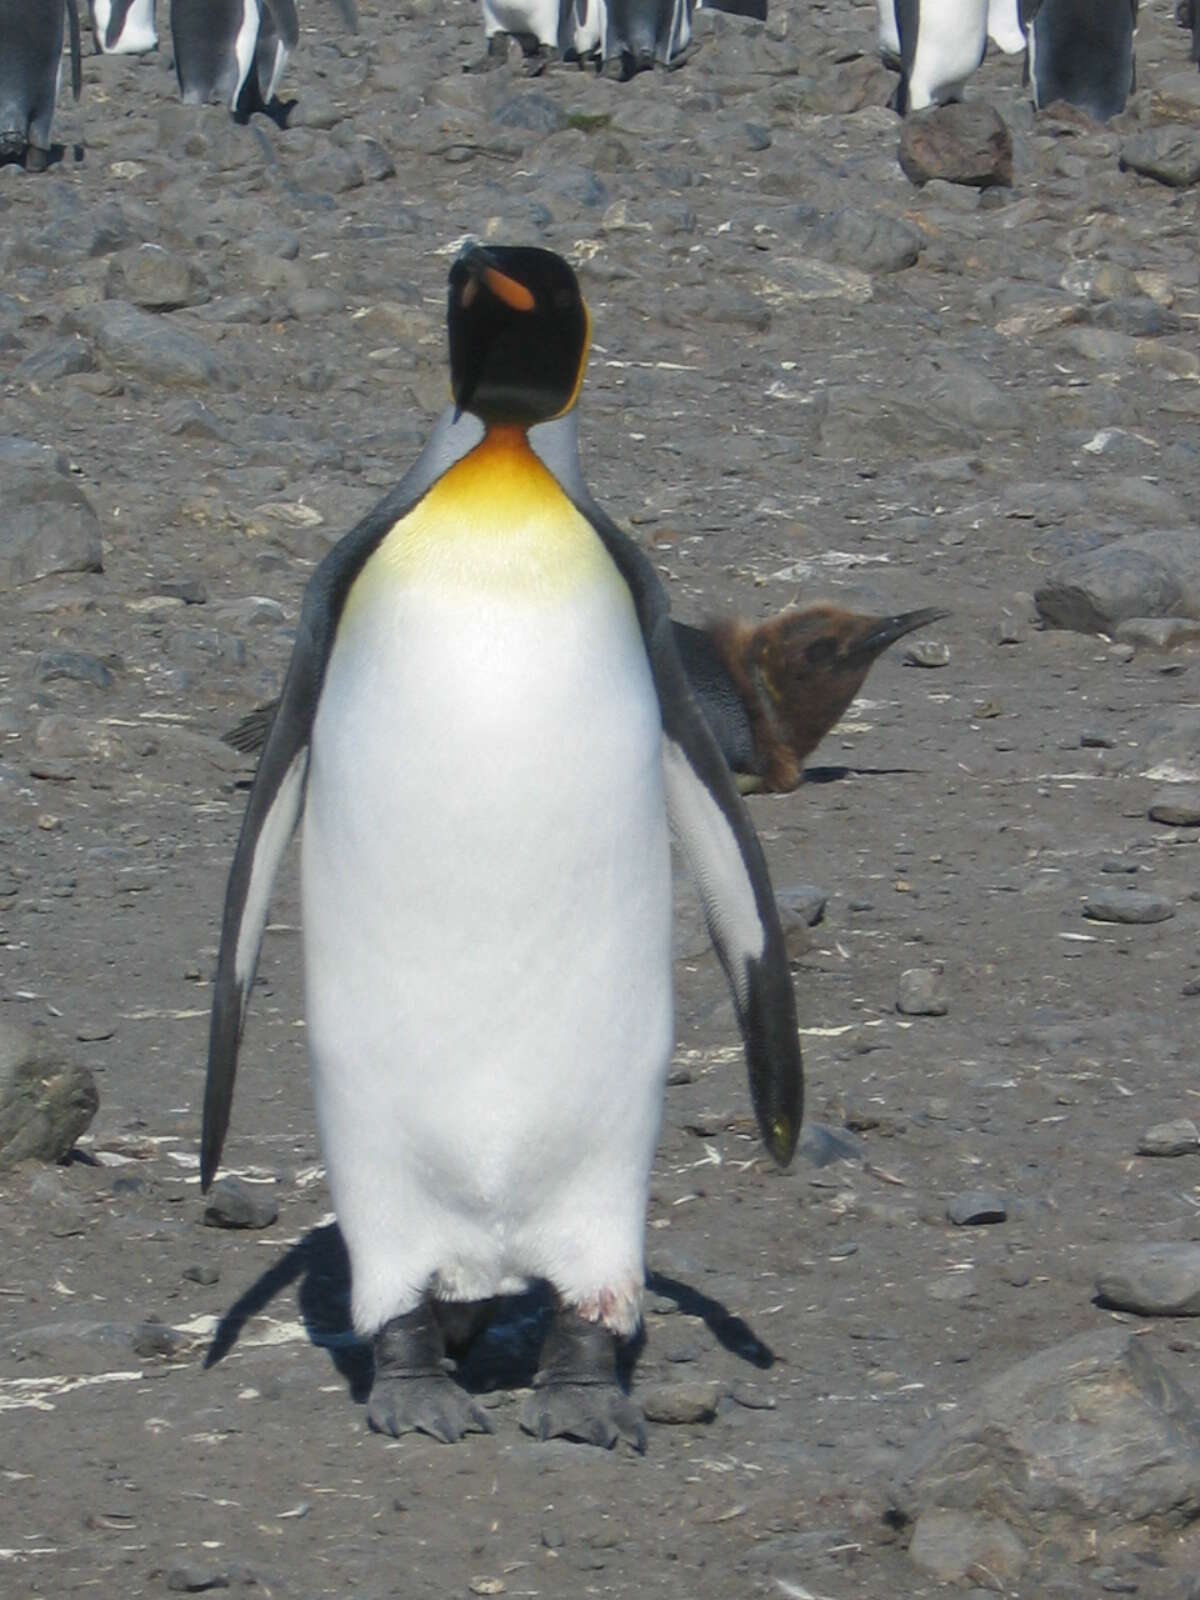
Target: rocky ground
<point>811,379</point>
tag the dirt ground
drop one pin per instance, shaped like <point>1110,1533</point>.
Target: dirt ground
<point>778,422</point>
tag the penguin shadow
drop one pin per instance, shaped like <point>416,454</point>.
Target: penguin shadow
<point>496,1343</point>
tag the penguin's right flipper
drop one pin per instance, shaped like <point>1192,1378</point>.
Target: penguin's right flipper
<point>277,794</point>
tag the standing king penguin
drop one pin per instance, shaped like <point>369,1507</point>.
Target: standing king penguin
<point>488,960</point>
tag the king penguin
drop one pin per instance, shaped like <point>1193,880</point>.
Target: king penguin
<point>1082,51</point>
<point>942,42</point>
<point>487,961</point>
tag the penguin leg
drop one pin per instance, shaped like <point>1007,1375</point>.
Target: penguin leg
<point>535,61</point>
<point>36,159</point>
<point>495,55</point>
<point>412,1392</point>
<point>576,1394</point>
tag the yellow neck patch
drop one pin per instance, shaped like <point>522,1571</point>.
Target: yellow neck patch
<point>498,521</point>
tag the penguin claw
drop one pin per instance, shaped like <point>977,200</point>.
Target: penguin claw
<point>430,1405</point>
<point>596,1414</point>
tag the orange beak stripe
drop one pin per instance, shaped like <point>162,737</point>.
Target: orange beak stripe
<point>514,295</point>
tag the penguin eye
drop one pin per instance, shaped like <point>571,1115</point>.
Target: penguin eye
<point>564,299</point>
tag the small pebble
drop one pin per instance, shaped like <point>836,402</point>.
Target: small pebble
<point>1180,809</point>
<point>1177,1138</point>
<point>183,1578</point>
<point>920,993</point>
<point>975,1207</point>
<point>1130,906</point>
<point>673,1403</point>
<point>927,653</point>
<point>233,1204</point>
<point>201,1274</point>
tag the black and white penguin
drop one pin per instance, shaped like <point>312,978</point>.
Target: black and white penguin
<point>31,51</point>
<point>233,52</point>
<point>942,42</point>
<point>489,1059</point>
<point>124,27</point>
<point>1081,51</point>
<point>1004,26</point>
<point>888,34</point>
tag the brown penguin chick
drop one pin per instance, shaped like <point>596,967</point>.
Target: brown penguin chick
<point>796,674</point>
<point>769,691</point>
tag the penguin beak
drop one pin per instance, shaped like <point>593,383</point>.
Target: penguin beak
<point>482,269</point>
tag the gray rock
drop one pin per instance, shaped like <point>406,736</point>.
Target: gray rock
<point>949,1544</point>
<point>679,1402</point>
<point>234,1204</point>
<point>1155,1280</point>
<point>187,1577</point>
<point>47,525</point>
<point>975,1207</point>
<point>920,993</point>
<point>74,664</point>
<point>1158,633</point>
<point>801,905</point>
<point>1132,906</point>
<point>151,346</point>
<point>1144,575</point>
<point>1170,153</point>
<point>45,1102</point>
<point>965,143</point>
<point>58,359</point>
<point>1179,808</point>
<point>1177,1138</point>
<point>156,279</point>
<point>926,653</point>
<point>870,240</point>
<point>1090,1431</point>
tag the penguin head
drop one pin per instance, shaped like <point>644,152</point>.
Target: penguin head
<point>518,334</point>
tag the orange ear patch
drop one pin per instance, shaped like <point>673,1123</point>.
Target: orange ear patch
<point>514,295</point>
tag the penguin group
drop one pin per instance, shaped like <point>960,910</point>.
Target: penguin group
<point>226,52</point>
<point>619,37</point>
<point>1078,51</point>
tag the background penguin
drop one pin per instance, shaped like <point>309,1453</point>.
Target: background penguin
<point>232,52</point>
<point>889,34</point>
<point>1004,26</point>
<point>942,42</point>
<point>540,27</point>
<point>488,1062</point>
<point>31,48</point>
<point>124,27</point>
<point>640,34</point>
<point>1081,51</point>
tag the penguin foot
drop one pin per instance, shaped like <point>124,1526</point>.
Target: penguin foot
<point>435,1406</point>
<point>534,62</point>
<point>496,55</point>
<point>36,160</point>
<point>576,1394</point>
<point>412,1392</point>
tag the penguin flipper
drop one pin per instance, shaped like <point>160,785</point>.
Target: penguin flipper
<point>271,816</point>
<point>287,23</point>
<point>726,861</point>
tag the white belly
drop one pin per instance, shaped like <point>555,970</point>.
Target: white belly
<point>487,941</point>
<point>889,34</point>
<point>951,39</point>
<point>538,17</point>
<point>1004,25</point>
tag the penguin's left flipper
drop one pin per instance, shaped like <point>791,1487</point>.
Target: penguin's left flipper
<point>724,856</point>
